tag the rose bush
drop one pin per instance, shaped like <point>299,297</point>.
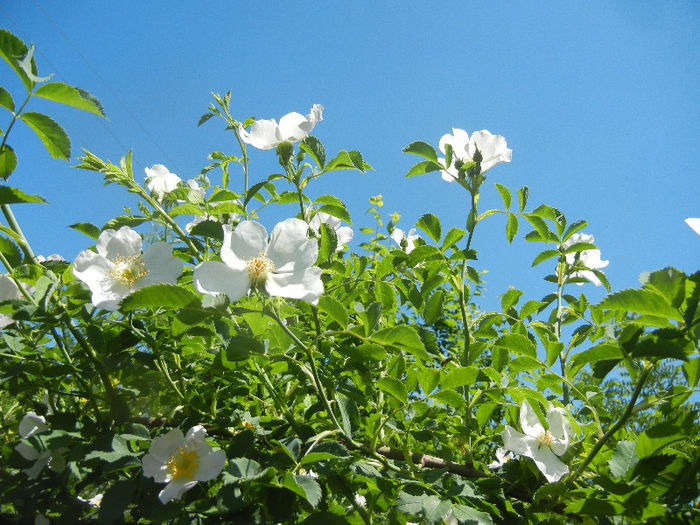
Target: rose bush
<point>323,385</point>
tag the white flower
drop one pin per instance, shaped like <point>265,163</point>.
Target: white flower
<point>160,181</point>
<point>182,461</point>
<point>31,425</point>
<point>360,500</point>
<point>589,258</point>
<point>8,290</point>
<point>543,446</point>
<point>502,457</point>
<point>344,233</point>
<point>283,266</point>
<point>54,257</point>
<point>405,241</point>
<point>119,267</point>
<point>694,223</point>
<point>95,501</point>
<point>493,150</point>
<point>267,134</point>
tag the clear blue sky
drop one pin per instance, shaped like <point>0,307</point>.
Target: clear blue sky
<point>598,101</point>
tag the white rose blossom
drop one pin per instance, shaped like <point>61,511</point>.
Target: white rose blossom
<point>589,258</point>
<point>8,290</point>
<point>344,233</point>
<point>32,425</point>
<point>543,446</point>
<point>119,267</point>
<point>181,461</point>
<point>400,237</point>
<point>694,223</point>
<point>267,134</point>
<point>283,266</point>
<point>493,150</point>
<point>159,180</point>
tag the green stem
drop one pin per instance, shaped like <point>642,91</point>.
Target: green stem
<point>617,426</point>
<point>281,405</point>
<point>561,281</point>
<point>22,240</point>
<point>15,116</point>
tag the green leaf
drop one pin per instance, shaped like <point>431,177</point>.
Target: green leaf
<point>125,220</point>
<point>510,298</point>
<point>423,149</point>
<point>385,295</point>
<point>642,301</point>
<point>470,515</point>
<point>430,224</point>
<point>87,228</point>
<point>70,96</point>
<point>403,337</point>
<point>357,161</point>
<point>204,118</point>
<point>540,226</point>
<point>239,348</point>
<point>663,434</point>
<point>11,252</point>
<point>691,369</point>
<point>12,49</point>
<point>159,296</point>
<point>573,228</point>
<point>505,195</point>
<point>6,100</point>
<point>8,161</point>
<point>115,501</point>
<point>580,246</point>
<point>449,397</point>
<point>424,166</point>
<point>393,387</point>
<point>185,209</point>
<point>522,197</point>
<point>334,309</point>
<point>518,344</point>
<point>336,211</point>
<point>511,226</point>
<point>9,195</point>
<point>53,136</point>
<point>328,243</point>
<point>453,236</point>
<point>428,379</point>
<point>623,458</point>
<point>314,147</point>
<point>544,255</point>
<point>432,310</point>
<point>349,414</point>
<point>305,486</point>
<point>457,377</point>
<point>601,352</point>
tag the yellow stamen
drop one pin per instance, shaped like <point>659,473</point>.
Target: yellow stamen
<point>183,463</point>
<point>259,267</point>
<point>546,438</point>
<point>128,270</point>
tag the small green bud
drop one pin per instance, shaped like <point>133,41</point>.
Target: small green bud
<point>285,150</point>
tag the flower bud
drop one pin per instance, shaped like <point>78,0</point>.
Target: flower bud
<point>285,150</point>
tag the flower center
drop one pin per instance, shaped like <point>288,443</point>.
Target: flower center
<point>259,267</point>
<point>546,438</point>
<point>128,270</point>
<point>183,463</point>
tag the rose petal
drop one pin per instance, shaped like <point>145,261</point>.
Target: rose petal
<point>248,240</point>
<point>212,277</point>
<point>528,420</point>
<point>124,242</point>
<point>32,424</point>
<point>175,489</point>
<point>290,249</point>
<point>263,134</point>
<point>305,284</point>
<point>161,265</point>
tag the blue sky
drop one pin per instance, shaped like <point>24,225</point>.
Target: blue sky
<point>598,101</point>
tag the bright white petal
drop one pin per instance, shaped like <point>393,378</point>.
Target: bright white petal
<point>8,289</point>
<point>345,235</point>
<point>161,265</point>
<point>397,235</point>
<point>519,443</point>
<point>493,148</point>
<point>124,242</point>
<point>290,250</point>
<point>154,468</point>
<point>263,134</point>
<point>34,471</point>
<point>528,421</point>
<point>197,434</point>
<point>32,424</point>
<point>550,465</point>
<point>576,238</point>
<point>694,223</point>
<point>164,446</point>
<point>27,451</point>
<point>248,240</point>
<point>294,126</point>
<point>212,277</point>
<point>175,489</point>
<point>211,465</point>
<point>459,140</point>
<point>159,180</point>
<point>561,429</point>
<point>305,284</point>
